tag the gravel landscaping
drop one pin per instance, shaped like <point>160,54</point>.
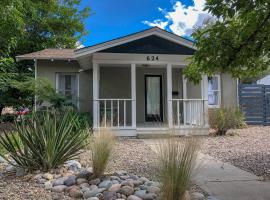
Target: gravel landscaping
<point>130,155</point>
<point>248,149</point>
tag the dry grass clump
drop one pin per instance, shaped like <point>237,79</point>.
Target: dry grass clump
<point>101,150</point>
<point>177,157</point>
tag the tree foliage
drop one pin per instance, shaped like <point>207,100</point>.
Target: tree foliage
<point>237,41</point>
<point>32,25</point>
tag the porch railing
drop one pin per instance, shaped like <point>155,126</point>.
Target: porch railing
<point>114,113</point>
<point>189,112</point>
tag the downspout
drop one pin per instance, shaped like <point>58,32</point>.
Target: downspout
<point>35,101</point>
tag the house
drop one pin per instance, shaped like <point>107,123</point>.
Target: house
<point>135,84</point>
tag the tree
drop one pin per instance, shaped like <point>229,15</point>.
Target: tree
<point>237,41</point>
<point>33,25</point>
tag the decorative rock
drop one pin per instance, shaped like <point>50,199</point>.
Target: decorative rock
<point>120,173</point>
<point>114,188</point>
<point>94,181</point>
<point>149,196</point>
<point>126,190</point>
<point>134,177</point>
<point>93,198</point>
<point>143,179</point>
<point>197,196</point>
<point>84,174</point>
<point>75,193</point>
<point>59,188</point>
<point>136,183</point>
<point>140,193</point>
<point>70,181</point>
<point>48,185</point>
<point>84,185</point>
<point>127,183</point>
<point>92,193</point>
<point>93,187</point>
<point>115,182</point>
<point>48,176</point>
<point>59,181</point>
<point>73,165</point>
<point>56,176</point>
<point>143,187</point>
<point>153,189</point>
<point>149,183</point>
<point>72,187</point>
<point>133,197</point>
<point>81,180</point>
<point>109,195</point>
<point>10,168</point>
<point>20,172</point>
<point>115,178</point>
<point>41,181</point>
<point>105,184</point>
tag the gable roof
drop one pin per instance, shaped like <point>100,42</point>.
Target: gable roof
<point>48,54</point>
<point>136,36</point>
<point>73,54</point>
<point>150,45</point>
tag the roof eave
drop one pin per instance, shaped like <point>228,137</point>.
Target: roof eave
<point>21,58</point>
<point>154,31</point>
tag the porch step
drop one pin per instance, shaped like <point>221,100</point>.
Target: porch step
<point>162,132</point>
<point>159,132</point>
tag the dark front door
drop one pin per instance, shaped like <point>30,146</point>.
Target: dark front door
<point>153,98</point>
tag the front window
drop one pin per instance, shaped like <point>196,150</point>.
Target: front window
<point>214,94</point>
<point>68,86</point>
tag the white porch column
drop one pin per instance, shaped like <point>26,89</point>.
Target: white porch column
<point>204,83</point>
<point>133,93</point>
<point>169,95</point>
<point>95,95</point>
<point>184,97</point>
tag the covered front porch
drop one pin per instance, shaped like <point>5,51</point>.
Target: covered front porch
<point>137,97</point>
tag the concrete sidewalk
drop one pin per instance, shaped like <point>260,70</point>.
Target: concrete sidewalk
<point>224,181</point>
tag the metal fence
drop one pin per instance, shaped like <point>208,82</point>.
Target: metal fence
<point>254,103</point>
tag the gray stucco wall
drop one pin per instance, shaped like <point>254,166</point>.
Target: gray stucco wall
<point>228,91</point>
<point>115,82</point>
<point>48,69</point>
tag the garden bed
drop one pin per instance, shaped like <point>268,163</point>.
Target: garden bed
<point>248,149</point>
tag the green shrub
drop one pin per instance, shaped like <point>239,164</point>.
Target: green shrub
<point>223,119</point>
<point>177,159</point>
<point>47,140</point>
<point>101,149</point>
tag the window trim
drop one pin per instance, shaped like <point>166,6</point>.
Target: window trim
<point>78,84</point>
<point>218,90</point>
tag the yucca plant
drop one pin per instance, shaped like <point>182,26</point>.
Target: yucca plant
<point>101,149</point>
<point>45,141</point>
<point>177,158</point>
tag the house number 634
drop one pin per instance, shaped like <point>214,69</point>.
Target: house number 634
<point>152,58</point>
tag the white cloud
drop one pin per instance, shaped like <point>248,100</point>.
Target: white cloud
<point>159,23</point>
<point>182,19</point>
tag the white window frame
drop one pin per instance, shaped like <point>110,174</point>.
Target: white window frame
<point>78,84</point>
<point>218,90</point>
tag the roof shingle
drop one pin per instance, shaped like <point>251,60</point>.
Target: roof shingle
<point>62,54</point>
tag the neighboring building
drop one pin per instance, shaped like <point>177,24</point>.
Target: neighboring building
<point>264,81</point>
<point>135,84</point>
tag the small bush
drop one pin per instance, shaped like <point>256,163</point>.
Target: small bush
<point>223,119</point>
<point>45,141</point>
<point>176,163</point>
<point>101,149</point>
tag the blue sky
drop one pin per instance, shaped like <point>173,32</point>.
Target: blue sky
<point>114,18</point>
